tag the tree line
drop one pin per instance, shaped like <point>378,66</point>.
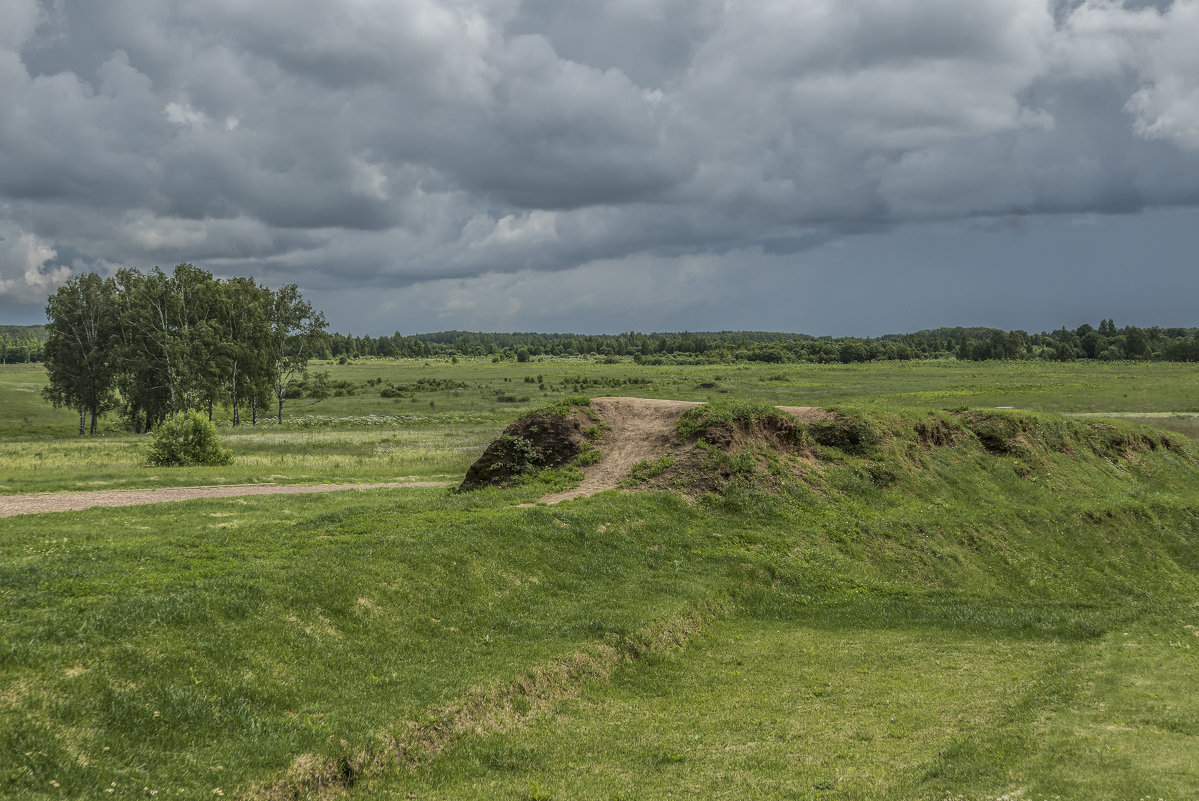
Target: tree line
<point>153,344</point>
<point>1107,342</point>
<point>22,344</point>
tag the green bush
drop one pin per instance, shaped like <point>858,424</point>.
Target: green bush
<point>187,439</point>
<point>517,455</point>
<point>849,430</point>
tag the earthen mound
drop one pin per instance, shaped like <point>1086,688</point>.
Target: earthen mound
<point>629,432</point>
<point>701,449</point>
<point>537,442</point>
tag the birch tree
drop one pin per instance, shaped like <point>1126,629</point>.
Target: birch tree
<point>81,318</point>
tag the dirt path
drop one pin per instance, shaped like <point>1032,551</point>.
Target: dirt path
<point>640,429</point>
<point>73,501</point>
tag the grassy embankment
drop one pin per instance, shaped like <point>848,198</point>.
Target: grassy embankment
<point>906,620</point>
<point>439,427</point>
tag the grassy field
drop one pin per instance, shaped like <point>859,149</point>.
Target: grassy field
<point>436,431</point>
<point>776,710</point>
<point>958,625</point>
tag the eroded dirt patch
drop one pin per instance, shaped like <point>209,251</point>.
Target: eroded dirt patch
<point>638,429</point>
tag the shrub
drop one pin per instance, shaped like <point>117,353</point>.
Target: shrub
<point>187,439</point>
<point>516,455</point>
<point>848,430</point>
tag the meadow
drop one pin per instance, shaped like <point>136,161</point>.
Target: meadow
<point>453,410</point>
<point>959,625</point>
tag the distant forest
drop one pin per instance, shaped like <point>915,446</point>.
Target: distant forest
<point>22,343</point>
<point>1106,342</point>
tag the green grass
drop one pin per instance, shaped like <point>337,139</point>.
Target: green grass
<point>1153,387</point>
<point>369,438</point>
<point>23,411</point>
<point>697,422</point>
<point>263,630</point>
<point>774,711</point>
<point>42,464</point>
<point>905,622</point>
<point>251,643</point>
<point>771,710</point>
<point>1186,423</point>
<point>1038,386</point>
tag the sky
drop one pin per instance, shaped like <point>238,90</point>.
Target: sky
<point>842,167</point>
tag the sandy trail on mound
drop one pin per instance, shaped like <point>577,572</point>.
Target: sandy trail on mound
<point>640,429</point>
<point>11,505</point>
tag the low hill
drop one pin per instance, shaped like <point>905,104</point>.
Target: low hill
<point>693,448</point>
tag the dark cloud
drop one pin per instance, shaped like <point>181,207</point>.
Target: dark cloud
<point>400,146</point>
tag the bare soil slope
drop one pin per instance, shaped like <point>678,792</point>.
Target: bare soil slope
<point>640,429</point>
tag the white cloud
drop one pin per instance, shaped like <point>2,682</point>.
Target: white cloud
<point>1168,106</point>
<point>1101,38</point>
<point>534,228</point>
<point>1154,48</point>
<point>184,114</point>
<point>27,273</point>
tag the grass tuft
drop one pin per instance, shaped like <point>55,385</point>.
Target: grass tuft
<point>704,420</point>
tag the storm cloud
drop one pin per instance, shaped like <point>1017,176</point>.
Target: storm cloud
<point>469,164</point>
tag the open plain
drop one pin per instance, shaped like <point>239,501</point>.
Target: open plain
<point>929,599</point>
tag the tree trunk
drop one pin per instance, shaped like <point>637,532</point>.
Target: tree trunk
<point>233,395</point>
<point>210,410</point>
<point>280,410</point>
<point>254,409</point>
<point>82,421</point>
